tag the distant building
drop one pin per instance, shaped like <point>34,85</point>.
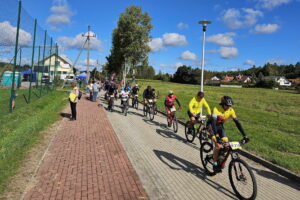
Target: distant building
<point>228,78</point>
<point>243,78</point>
<point>63,66</point>
<point>295,80</point>
<point>214,78</point>
<point>282,81</point>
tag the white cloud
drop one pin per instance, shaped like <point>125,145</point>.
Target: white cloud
<point>77,42</point>
<point>8,35</point>
<point>168,39</point>
<point>235,20</point>
<point>187,55</point>
<point>182,26</point>
<point>266,28</point>
<point>249,62</point>
<point>61,15</point>
<point>174,39</point>
<point>178,64</point>
<point>225,39</point>
<point>93,62</point>
<point>156,44</point>
<point>270,4</point>
<point>228,52</point>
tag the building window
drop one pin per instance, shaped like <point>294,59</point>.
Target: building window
<point>64,72</point>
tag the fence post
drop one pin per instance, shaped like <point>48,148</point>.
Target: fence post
<point>49,70</point>
<point>45,39</point>
<point>32,60</point>
<point>56,60</point>
<point>12,92</point>
<point>38,71</point>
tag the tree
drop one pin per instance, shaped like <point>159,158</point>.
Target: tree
<point>130,40</point>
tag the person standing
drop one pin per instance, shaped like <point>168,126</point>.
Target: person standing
<point>73,98</point>
<point>95,88</point>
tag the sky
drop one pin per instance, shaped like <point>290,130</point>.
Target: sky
<point>242,33</point>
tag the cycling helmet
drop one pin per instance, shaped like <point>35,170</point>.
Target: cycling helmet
<point>148,87</point>
<point>171,92</point>
<point>226,100</point>
<point>200,94</point>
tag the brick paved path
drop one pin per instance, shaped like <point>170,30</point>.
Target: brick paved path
<point>170,168</point>
<point>86,161</point>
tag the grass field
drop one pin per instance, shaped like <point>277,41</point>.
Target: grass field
<point>271,118</point>
<point>20,130</point>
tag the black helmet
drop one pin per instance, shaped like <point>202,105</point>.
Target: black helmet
<point>226,100</point>
<point>148,87</point>
<point>200,94</point>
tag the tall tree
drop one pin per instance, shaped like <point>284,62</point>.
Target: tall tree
<point>130,40</point>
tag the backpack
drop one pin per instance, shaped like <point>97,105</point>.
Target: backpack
<point>79,95</point>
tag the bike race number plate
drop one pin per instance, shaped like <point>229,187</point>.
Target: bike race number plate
<point>173,109</point>
<point>124,99</point>
<point>150,100</point>
<point>235,145</point>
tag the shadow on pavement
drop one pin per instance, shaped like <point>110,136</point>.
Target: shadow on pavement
<point>161,125</point>
<point>276,177</point>
<point>65,115</point>
<point>181,164</point>
<point>171,134</point>
<point>135,113</point>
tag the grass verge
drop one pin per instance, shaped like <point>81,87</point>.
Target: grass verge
<point>21,130</point>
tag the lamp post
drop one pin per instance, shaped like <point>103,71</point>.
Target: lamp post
<point>204,25</point>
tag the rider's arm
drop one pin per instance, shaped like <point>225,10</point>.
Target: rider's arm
<point>178,102</point>
<point>213,121</point>
<point>191,105</point>
<point>239,126</point>
<point>206,106</point>
<point>144,94</point>
<point>166,101</point>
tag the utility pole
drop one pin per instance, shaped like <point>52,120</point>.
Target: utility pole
<point>88,53</point>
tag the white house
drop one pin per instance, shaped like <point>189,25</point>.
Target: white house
<point>282,81</point>
<point>215,78</point>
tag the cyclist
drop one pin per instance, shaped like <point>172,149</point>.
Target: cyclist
<point>134,91</point>
<point>111,90</point>
<point>149,94</point>
<point>220,115</point>
<point>169,104</point>
<point>124,94</point>
<point>195,107</point>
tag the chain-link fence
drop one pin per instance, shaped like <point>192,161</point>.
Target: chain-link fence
<point>28,58</point>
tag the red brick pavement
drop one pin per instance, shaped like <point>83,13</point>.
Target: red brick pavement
<point>86,161</point>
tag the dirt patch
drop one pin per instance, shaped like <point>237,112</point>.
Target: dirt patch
<point>25,177</point>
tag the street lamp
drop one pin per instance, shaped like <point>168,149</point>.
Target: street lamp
<point>204,24</point>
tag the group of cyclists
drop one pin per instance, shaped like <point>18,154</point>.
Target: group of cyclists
<point>216,117</point>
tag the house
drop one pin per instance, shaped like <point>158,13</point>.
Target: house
<point>243,78</point>
<point>215,78</point>
<point>228,78</point>
<point>295,80</point>
<point>62,69</point>
<point>280,79</point>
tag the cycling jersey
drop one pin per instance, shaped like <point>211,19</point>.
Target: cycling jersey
<point>148,94</point>
<point>124,94</point>
<point>169,101</point>
<point>195,106</point>
<point>135,90</point>
<point>223,115</point>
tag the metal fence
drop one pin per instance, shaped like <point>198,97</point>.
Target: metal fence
<point>28,58</point>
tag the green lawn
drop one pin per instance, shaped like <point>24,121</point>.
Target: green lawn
<point>271,118</point>
<point>20,130</point>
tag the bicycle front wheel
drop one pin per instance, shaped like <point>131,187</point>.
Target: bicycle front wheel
<point>175,124</point>
<point>206,156</point>
<point>242,179</point>
<point>151,113</point>
<point>145,111</point>
<point>190,132</point>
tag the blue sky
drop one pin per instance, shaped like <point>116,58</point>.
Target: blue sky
<point>242,33</point>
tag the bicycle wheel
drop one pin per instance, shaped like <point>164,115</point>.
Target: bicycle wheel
<point>175,124</point>
<point>206,156</point>
<point>203,137</point>
<point>155,109</point>
<point>125,110</point>
<point>136,105</point>
<point>242,179</point>
<point>190,133</point>
<point>145,111</point>
<point>151,113</point>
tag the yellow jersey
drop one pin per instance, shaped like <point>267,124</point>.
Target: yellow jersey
<point>223,115</point>
<point>195,106</point>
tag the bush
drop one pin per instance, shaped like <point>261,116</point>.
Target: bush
<point>267,83</point>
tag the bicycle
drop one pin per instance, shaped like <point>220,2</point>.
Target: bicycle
<point>111,102</point>
<point>135,102</point>
<point>149,109</point>
<point>124,105</point>
<point>190,132</point>
<point>240,174</point>
<point>173,119</point>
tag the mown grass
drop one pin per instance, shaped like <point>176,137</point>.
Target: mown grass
<point>21,130</point>
<point>271,118</point>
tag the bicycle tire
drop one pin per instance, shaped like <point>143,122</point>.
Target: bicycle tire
<point>145,111</point>
<point>206,157</point>
<point>136,105</point>
<point>232,166</point>
<point>190,133</point>
<point>151,113</point>
<point>175,124</point>
<point>155,109</point>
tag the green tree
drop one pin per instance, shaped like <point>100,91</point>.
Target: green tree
<point>130,40</point>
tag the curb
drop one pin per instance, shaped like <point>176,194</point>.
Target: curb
<point>280,170</point>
